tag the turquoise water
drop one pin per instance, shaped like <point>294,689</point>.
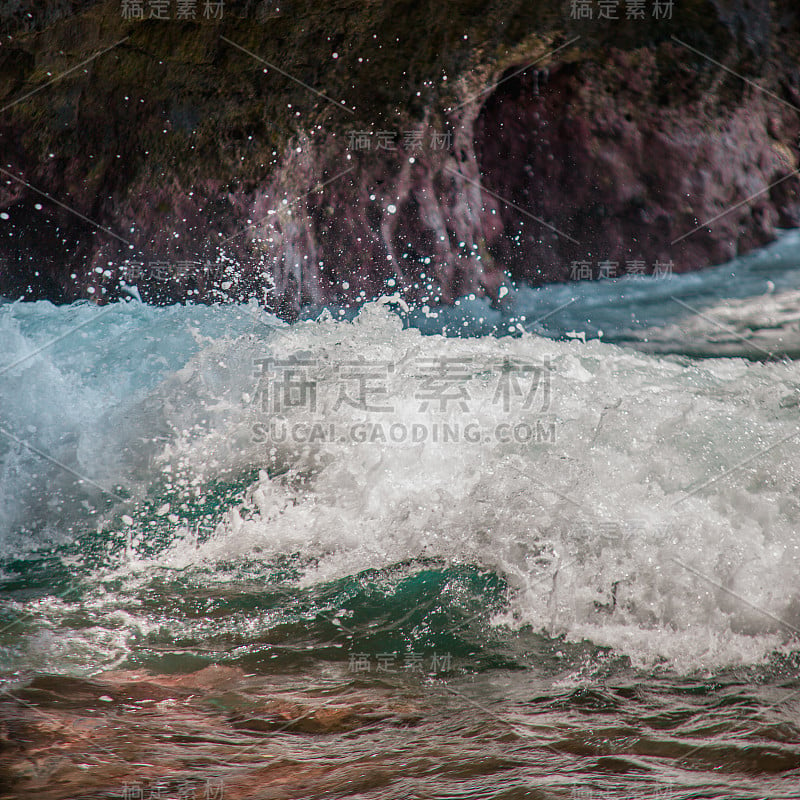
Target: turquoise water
<point>552,553</point>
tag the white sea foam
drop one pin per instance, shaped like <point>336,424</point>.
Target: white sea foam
<point>660,520</point>
<point>648,503</point>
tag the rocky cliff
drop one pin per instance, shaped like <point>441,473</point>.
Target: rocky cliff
<point>305,152</point>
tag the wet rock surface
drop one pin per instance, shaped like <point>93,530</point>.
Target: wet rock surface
<point>305,154</point>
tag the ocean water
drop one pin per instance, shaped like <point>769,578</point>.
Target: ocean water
<point>546,548</point>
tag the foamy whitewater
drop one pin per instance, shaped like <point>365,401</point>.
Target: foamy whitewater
<point>641,501</point>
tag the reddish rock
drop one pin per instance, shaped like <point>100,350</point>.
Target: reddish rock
<point>195,172</point>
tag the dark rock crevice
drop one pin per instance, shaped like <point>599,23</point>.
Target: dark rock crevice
<point>600,157</point>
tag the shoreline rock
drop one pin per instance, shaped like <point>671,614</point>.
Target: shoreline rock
<point>252,156</point>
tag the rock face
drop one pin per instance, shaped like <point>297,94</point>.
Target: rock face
<point>305,153</point>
